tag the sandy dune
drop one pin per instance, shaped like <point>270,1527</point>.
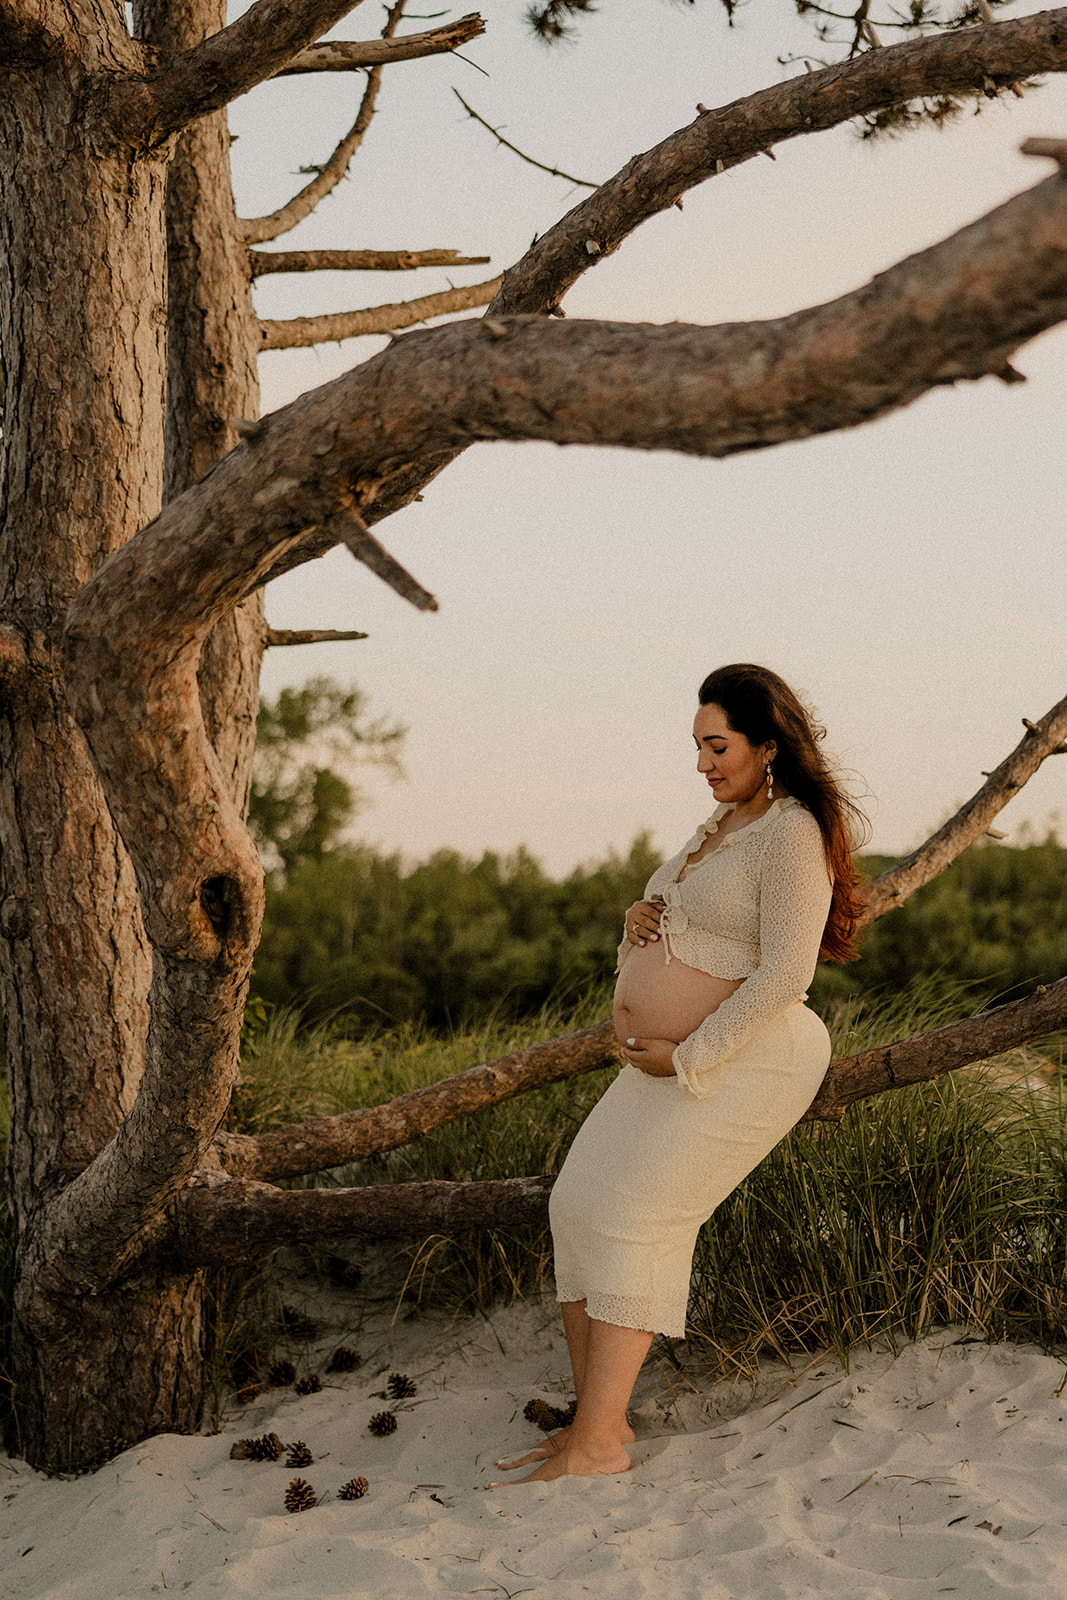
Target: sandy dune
<point>940,1470</point>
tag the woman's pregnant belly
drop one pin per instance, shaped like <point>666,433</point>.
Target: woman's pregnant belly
<point>654,1000</point>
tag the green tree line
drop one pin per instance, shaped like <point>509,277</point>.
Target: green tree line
<point>357,935</point>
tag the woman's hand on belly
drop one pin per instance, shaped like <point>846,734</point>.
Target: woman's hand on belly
<point>652,1056</point>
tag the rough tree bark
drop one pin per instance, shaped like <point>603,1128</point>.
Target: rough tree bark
<point>123,984</point>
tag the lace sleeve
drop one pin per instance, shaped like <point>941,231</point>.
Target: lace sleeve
<point>794,902</point>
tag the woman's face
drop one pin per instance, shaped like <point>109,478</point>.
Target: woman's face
<point>735,770</point>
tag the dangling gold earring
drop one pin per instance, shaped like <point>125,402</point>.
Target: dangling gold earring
<point>770,782</point>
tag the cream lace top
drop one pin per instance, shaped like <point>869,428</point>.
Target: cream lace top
<point>754,908</point>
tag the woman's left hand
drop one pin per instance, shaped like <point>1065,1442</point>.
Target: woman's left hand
<point>652,1056</point>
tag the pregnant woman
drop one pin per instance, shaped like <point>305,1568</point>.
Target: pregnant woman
<point>722,1055</point>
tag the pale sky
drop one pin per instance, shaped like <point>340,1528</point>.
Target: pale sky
<point>907,577</point>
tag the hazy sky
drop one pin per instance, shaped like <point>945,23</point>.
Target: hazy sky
<point>908,576</point>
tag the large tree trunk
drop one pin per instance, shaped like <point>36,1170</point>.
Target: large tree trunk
<point>74,961</point>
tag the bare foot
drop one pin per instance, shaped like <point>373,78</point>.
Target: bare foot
<point>571,1461</point>
<point>551,1447</point>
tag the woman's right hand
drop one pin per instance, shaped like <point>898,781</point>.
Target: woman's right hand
<point>642,922</point>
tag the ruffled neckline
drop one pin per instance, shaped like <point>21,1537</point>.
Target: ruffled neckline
<point>732,838</point>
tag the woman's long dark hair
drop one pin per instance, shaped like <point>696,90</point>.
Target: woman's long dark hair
<point>762,706</point>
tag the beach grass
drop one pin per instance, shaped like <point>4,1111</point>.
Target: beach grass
<point>942,1203</point>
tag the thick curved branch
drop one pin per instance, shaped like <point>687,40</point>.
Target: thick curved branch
<point>1044,738</point>
<point>948,63</point>
<point>335,1141</point>
<point>259,229</point>
<point>299,332</point>
<point>267,261</point>
<point>220,1221</point>
<point>345,55</point>
<point>146,111</point>
<point>650,183</point>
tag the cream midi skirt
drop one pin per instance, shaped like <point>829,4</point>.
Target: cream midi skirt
<point>651,1162</point>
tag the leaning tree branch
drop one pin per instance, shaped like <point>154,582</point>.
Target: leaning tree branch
<point>146,111</point>
<point>220,1220</point>
<point>335,1141</point>
<point>297,333</point>
<point>257,230</point>
<point>266,261</point>
<point>553,172</point>
<point>346,55</point>
<point>956,62</point>
<point>289,636</point>
<point>931,1055</point>
<point>1042,739</point>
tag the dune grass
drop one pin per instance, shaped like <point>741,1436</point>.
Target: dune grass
<point>945,1202</point>
<point>941,1203</point>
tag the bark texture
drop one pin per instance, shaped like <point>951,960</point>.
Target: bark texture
<point>88,214</point>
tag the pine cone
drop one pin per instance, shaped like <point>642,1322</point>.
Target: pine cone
<point>268,1447</point>
<point>300,1496</point>
<point>569,1414</point>
<point>400,1386</point>
<point>247,1393</point>
<point>543,1415</point>
<point>299,1455</point>
<point>354,1489</point>
<point>382,1423</point>
<point>343,1360</point>
<point>309,1385</point>
<point>281,1375</point>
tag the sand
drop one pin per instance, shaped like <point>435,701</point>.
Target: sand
<point>935,1470</point>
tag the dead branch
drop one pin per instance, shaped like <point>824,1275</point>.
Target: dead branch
<point>219,1220</point>
<point>297,333</point>
<point>334,1141</point>
<point>931,1055</point>
<point>146,111</point>
<point>948,63</point>
<point>344,55</point>
<point>1041,739</point>
<point>267,261</point>
<point>553,172</point>
<point>288,636</point>
<point>258,230</point>
<point>353,533</point>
